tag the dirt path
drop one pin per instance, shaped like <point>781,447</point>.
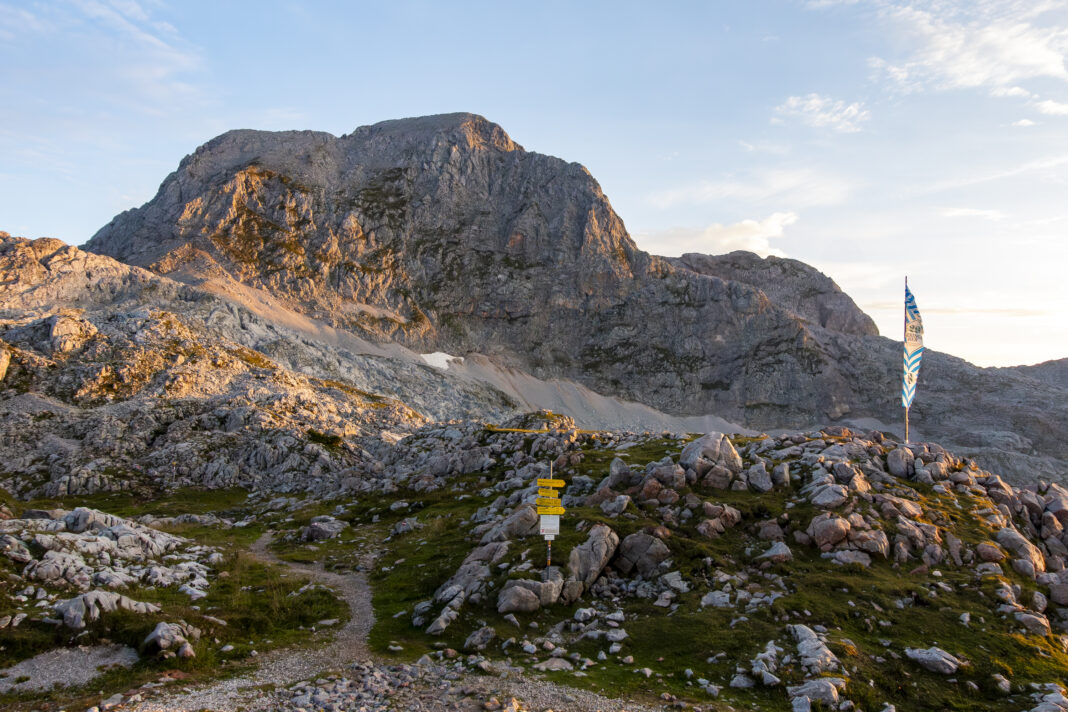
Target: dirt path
<point>280,668</point>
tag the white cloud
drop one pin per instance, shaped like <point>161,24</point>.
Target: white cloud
<point>975,44</point>
<point>1010,91</point>
<point>821,112</point>
<point>1023,123</point>
<point>750,235</point>
<point>973,213</point>
<point>794,188</point>
<point>1052,108</point>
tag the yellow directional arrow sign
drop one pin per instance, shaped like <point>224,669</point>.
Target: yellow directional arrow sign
<point>550,510</point>
<point>547,501</point>
<point>551,483</point>
<point>548,493</point>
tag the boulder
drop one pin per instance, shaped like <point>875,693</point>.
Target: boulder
<point>323,527</point>
<point>522,522</point>
<point>716,599</point>
<point>708,450</point>
<point>1025,550</point>
<point>759,478</point>
<point>717,477</point>
<point>1035,623</point>
<point>900,462</point>
<point>827,530</point>
<point>934,659</point>
<point>480,639</point>
<point>517,599</point>
<point>641,552</point>
<point>588,559</point>
<point>872,541</point>
<point>829,496</point>
<point>851,557</point>
<point>57,568</point>
<point>1058,593</point>
<point>615,507</point>
<point>815,656</point>
<point>779,553</point>
<point>823,690</point>
<point>171,638</point>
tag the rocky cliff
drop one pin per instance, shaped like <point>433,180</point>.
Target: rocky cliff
<point>442,234</point>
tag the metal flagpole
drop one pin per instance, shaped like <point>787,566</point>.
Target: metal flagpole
<point>904,339</point>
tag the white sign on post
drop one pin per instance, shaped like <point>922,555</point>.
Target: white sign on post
<point>550,526</point>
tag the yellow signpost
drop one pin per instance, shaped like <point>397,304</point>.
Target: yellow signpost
<point>549,509</point>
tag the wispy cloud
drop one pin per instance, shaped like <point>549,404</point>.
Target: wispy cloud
<point>1010,91</point>
<point>973,213</point>
<point>972,44</point>
<point>1041,164</point>
<point>1023,123</point>
<point>121,53</point>
<point>822,112</point>
<point>791,187</point>
<point>1052,108</point>
<point>750,235</point>
<point>15,21</point>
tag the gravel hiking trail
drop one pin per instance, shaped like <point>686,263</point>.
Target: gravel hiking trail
<point>283,667</point>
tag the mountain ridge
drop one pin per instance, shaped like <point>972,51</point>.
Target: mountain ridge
<point>442,234</point>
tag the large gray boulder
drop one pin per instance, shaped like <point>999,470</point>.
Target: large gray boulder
<point>171,639</point>
<point>827,530</point>
<point>1024,549</point>
<point>815,656</point>
<point>588,559</point>
<point>934,659</point>
<point>517,599</point>
<point>323,527</point>
<point>708,451</point>
<point>642,553</point>
<point>522,522</point>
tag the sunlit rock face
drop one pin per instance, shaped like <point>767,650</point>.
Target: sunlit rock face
<point>442,234</point>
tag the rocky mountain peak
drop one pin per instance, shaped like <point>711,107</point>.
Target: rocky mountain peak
<point>442,235</point>
<point>462,129</point>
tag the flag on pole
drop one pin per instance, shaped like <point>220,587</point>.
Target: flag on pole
<point>913,349</point>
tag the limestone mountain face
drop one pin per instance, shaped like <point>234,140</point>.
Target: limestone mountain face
<point>790,284</point>
<point>442,234</point>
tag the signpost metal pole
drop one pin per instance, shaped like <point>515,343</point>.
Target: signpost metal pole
<point>549,510</point>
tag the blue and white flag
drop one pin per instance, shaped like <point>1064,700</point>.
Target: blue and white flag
<point>913,349</point>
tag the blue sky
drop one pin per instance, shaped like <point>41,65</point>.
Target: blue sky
<point>870,139</point>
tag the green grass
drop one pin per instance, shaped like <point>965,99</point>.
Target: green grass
<point>185,500</point>
<point>258,601</point>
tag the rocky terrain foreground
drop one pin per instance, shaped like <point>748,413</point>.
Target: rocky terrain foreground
<point>442,234</point>
<point>825,569</point>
